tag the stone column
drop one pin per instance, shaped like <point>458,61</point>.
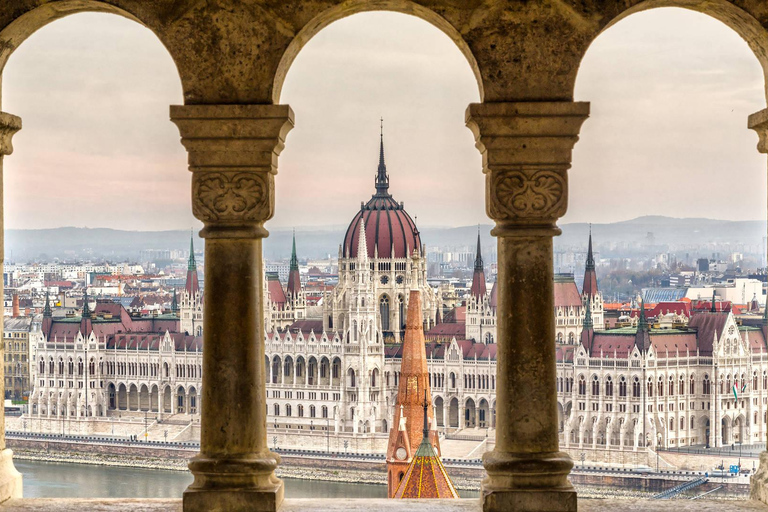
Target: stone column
<point>526,150</point>
<point>759,481</point>
<point>10,479</point>
<point>233,152</point>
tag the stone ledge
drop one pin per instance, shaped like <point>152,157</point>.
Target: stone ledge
<point>308,505</point>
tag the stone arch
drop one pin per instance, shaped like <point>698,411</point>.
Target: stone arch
<point>154,402</point>
<point>192,400</point>
<point>22,27</point>
<point>312,371</point>
<point>133,398</point>
<point>339,11</point>
<point>181,400</point>
<point>439,412</point>
<point>483,414</point>
<point>167,400</point>
<point>112,394</point>
<point>325,371</point>
<point>143,398</point>
<point>277,370</point>
<point>453,413</point>
<point>470,413</point>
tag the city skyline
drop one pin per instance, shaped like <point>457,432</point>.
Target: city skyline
<point>657,119</point>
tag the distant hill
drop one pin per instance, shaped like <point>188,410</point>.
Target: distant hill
<point>81,243</point>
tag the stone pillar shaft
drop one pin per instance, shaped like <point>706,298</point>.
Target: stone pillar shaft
<point>233,152</point>
<point>10,478</point>
<point>526,150</point>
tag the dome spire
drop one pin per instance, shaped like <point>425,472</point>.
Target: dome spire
<point>382,178</point>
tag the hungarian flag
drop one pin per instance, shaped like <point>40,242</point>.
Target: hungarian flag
<point>736,390</point>
<point>744,386</point>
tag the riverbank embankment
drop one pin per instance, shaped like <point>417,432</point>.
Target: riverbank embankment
<point>348,468</point>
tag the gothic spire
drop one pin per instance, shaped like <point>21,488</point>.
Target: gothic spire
<point>642,323</point>
<point>86,310</point>
<point>47,309</point>
<point>294,259</point>
<point>191,265</point>
<point>478,254</point>
<point>587,323</point>
<point>642,336</point>
<point>174,302</point>
<point>713,309</point>
<point>589,288</point>
<point>382,178</point>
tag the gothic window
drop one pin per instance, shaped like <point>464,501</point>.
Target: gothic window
<point>61,367</point>
<point>682,423</point>
<point>287,409</point>
<point>671,424</point>
<point>42,367</point>
<point>636,388</point>
<point>571,338</point>
<point>754,381</point>
<point>622,386</point>
<point>384,311</point>
<point>301,411</point>
<point>80,367</point>
<point>681,386</point>
<point>693,385</point>
<point>661,386</point>
<point>582,385</point>
<point>650,387</point>
<point>401,306</point>
<point>453,380</point>
<point>609,386</point>
<point>70,367</point>
<point>311,411</point>
<point>51,367</point>
<point>671,386</point>
<point>595,386</point>
<point>324,411</point>
<point>706,388</point>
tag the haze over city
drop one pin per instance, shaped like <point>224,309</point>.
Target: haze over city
<point>670,90</point>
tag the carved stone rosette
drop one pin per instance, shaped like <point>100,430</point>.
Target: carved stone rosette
<point>233,152</point>
<point>526,150</point>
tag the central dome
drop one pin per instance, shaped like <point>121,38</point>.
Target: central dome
<point>389,230</point>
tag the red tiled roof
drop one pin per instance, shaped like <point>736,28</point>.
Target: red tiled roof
<point>708,326</point>
<point>567,294</point>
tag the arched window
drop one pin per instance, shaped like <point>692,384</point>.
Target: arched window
<point>636,388</point>
<point>571,338</point>
<point>453,381</point>
<point>693,385</point>
<point>661,386</point>
<point>324,411</point>
<point>61,367</point>
<point>754,381</point>
<point>681,386</point>
<point>42,367</point>
<point>311,411</point>
<point>277,409</point>
<point>70,367</point>
<point>650,387</point>
<point>682,423</point>
<point>582,385</point>
<point>622,386</point>
<point>401,305</point>
<point>706,385</point>
<point>595,386</point>
<point>287,409</point>
<point>671,386</point>
<point>608,386</point>
<point>693,423</point>
<point>384,312</point>
<point>80,367</point>
<point>301,411</point>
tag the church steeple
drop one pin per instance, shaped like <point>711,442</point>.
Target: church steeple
<point>382,178</point>
<point>86,325</point>
<point>192,285</point>
<point>589,288</point>
<point>174,303</point>
<point>478,289</point>
<point>294,278</point>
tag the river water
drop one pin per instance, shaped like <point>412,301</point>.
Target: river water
<point>66,480</point>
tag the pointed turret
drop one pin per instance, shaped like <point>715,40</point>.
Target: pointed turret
<point>47,309</point>
<point>86,325</point>
<point>192,285</point>
<point>294,278</point>
<point>642,336</point>
<point>362,245</point>
<point>478,289</point>
<point>409,403</point>
<point>589,288</point>
<point>713,309</point>
<point>382,178</point>
<point>174,303</point>
<point>588,329</point>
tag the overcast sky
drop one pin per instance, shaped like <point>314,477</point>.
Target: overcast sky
<point>670,92</point>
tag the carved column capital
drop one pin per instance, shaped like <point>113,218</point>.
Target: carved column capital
<point>759,122</point>
<point>526,150</point>
<point>233,152</point>
<point>9,125</point>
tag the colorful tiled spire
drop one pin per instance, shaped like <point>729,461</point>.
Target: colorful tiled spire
<point>426,476</point>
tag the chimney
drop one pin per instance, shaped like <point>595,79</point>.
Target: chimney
<point>15,305</point>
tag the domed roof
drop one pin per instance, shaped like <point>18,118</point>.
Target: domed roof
<point>389,230</point>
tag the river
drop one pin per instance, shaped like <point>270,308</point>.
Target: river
<point>67,480</point>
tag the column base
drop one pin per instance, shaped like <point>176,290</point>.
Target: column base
<point>758,483</point>
<point>528,482</point>
<point>530,501</point>
<point>10,478</point>
<point>233,486</point>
